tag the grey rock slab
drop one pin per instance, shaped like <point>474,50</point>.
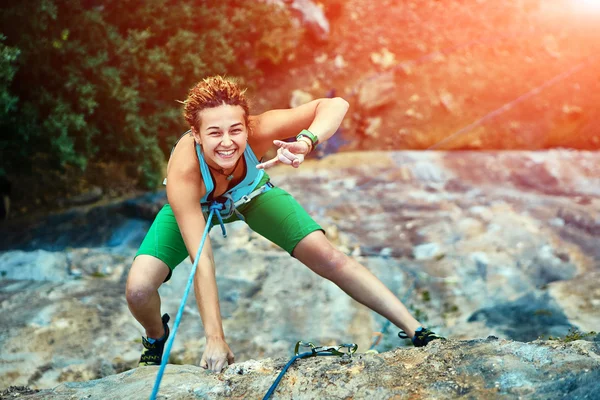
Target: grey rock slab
<point>488,368</point>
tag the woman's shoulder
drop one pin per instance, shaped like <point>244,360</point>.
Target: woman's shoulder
<point>259,144</point>
<point>183,163</point>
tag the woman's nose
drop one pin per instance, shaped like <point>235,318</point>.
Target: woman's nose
<point>226,141</point>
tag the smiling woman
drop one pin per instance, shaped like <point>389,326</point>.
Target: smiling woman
<point>224,139</point>
<point>219,162</point>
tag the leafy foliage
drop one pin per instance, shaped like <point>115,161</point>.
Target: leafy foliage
<point>95,80</point>
<point>574,335</point>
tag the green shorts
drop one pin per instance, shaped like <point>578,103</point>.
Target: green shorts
<point>274,214</point>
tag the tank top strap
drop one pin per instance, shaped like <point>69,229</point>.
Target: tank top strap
<point>206,176</point>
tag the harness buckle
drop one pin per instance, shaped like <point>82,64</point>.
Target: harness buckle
<point>245,199</point>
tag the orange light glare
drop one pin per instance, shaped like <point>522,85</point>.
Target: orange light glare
<point>587,5</point>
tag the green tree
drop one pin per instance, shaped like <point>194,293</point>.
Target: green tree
<point>8,102</point>
<point>99,80</point>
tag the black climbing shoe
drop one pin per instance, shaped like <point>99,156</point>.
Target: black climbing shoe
<point>422,337</point>
<point>152,353</point>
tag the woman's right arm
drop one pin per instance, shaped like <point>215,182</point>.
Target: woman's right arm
<point>184,192</point>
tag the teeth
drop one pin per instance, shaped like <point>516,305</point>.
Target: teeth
<point>226,153</point>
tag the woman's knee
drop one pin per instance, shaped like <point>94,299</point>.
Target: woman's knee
<point>146,275</point>
<point>139,294</point>
<point>333,263</point>
<point>316,252</point>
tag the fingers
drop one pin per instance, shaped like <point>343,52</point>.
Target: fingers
<point>297,160</point>
<point>297,147</point>
<point>286,154</point>
<point>268,164</point>
<point>286,157</point>
<point>214,364</point>
<point>203,363</point>
<point>219,365</point>
<point>217,355</point>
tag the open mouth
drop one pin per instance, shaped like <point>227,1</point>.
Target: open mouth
<point>226,154</point>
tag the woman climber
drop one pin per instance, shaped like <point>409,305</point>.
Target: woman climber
<point>218,161</point>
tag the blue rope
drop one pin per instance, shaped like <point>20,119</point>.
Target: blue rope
<point>214,208</point>
<point>218,207</point>
<point>288,365</point>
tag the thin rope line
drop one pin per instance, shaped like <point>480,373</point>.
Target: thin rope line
<point>519,99</point>
<point>171,339</point>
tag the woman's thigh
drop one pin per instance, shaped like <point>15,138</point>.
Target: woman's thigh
<point>277,216</point>
<point>147,272</point>
<point>164,241</point>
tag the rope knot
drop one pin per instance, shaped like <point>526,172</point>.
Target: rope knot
<point>215,208</point>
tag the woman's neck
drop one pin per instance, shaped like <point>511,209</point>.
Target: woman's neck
<point>229,175</point>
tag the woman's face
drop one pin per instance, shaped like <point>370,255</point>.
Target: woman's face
<point>223,135</point>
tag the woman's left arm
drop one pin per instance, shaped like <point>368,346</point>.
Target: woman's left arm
<point>329,114</point>
<point>322,117</point>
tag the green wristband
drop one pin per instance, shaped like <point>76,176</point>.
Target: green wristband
<point>313,138</point>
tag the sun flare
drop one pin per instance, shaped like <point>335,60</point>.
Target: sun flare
<point>587,5</point>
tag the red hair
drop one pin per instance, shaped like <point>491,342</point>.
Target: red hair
<point>210,92</point>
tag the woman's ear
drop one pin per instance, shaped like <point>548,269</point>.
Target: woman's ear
<point>196,135</point>
<point>250,126</point>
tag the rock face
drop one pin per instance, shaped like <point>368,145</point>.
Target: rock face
<point>475,244</point>
<point>309,15</point>
<point>477,369</point>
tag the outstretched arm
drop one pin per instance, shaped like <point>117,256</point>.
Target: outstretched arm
<point>322,117</point>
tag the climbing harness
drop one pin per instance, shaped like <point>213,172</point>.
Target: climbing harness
<point>215,207</point>
<point>241,193</point>
<point>343,350</point>
<point>229,206</point>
